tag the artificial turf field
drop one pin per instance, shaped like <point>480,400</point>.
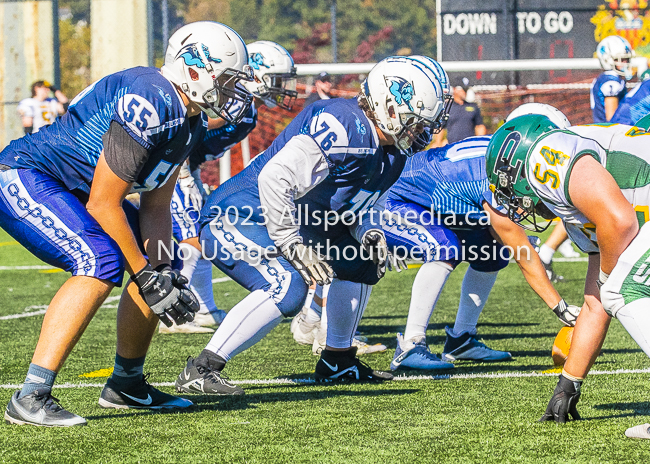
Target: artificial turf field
<point>483,413</point>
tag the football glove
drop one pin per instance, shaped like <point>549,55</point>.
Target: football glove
<point>564,401</point>
<point>193,198</point>
<point>395,263</point>
<point>166,293</point>
<point>309,264</point>
<point>566,313</point>
<point>374,242</point>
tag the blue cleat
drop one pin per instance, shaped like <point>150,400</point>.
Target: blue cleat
<point>467,347</point>
<point>416,355</point>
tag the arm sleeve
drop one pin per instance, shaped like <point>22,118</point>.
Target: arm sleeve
<point>297,168</point>
<point>371,219</point>
<point>124,155</point>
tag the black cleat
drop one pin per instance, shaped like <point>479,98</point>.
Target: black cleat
<point>344,366</point>
<point>200,378</point>
<point>40,409</point>
<point>139,396</point>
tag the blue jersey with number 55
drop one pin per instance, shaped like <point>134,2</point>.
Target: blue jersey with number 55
<point>140,100</point>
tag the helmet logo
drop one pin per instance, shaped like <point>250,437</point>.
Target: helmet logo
<point>402,90</point>
<point>191,56</point>
<point>257,60</point>
<point>506,153</point>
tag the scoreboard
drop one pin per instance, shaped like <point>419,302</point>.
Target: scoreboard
<point>469,30</point>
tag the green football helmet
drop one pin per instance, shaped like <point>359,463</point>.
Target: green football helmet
<point>505,168</point>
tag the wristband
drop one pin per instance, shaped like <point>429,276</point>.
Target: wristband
<point>602,276</point>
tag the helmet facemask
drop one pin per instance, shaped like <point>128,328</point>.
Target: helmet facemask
<point>279,89</point>
<point>528,212</point>
<point>226,99</point>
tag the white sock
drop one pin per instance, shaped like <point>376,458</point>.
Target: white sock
<point>246,324</point>
<point>474,293</point>
<point>345,306</point>
<point>546,253</point>
<point>191,257</point>
<point>428,284</point>
<point>201,285</point>
<point>314,310</point>
<point>635,317</point>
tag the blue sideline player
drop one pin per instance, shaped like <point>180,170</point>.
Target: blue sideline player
<point>439,214</point>
<point>635,105</point>
<point>63,191</point>
<point>273,85</point>
<point>608,89</point>
<point>266,226</point>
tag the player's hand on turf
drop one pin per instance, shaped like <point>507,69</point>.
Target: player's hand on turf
<point>564,401</point>
<point>374,243</point>
<point>309,263</point>
<point>192,194</point>
<point>395,263</point>
<point>165,292</point>
<point>566,313</point>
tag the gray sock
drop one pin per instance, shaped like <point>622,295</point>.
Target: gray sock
<point>38,378</point>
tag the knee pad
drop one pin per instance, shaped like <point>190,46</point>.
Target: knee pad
<point>290,301</point>
<point>611,299</point>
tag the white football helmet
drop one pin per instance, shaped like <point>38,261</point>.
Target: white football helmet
<point>614,53</point>
<point>274,74</point>
<point>556,116</point>
<point>443,78</point>
<point>206,59</point>
<point>405,99</point>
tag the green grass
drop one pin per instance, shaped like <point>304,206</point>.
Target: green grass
<point>457,420</point>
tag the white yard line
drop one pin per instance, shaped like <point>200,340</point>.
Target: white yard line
<point>25,268</point>
<point>30,311</point>
<point>483,375</point>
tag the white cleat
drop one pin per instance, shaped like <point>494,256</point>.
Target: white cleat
<point>187,328</point>
<point>566,250</point>
<point>303,332</point>
<point>210,319</point>
<point>358,341</point>
<point>639,431</point>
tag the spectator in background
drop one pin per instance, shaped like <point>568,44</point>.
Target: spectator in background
<point>322,87</point>
<point>41,110</point>
<point>464,118</point>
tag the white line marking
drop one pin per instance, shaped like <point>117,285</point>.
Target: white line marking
<point>40,309</point>
<point>25,268</point>
<point>219,280</point>
<point>482,375</point>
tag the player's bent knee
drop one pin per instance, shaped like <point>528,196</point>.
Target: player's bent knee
<point>611,299</point>
<point>291,300</point>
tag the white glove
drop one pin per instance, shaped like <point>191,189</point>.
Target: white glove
<point>191,192</point>
<point>395,263</point>
<point>311,265</point>
<point>566,313</point>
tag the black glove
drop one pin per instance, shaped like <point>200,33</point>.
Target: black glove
<point>309,264</point>
<point>566,313</point>
<point>374,243</point>
<point>166,293</point>
<point>564,401</point>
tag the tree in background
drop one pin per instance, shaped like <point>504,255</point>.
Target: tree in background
<point>74,53</point>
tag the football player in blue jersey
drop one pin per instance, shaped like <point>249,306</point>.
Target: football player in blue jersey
<point>635,105</point>
<point>62,196</point>
<point>273,85</point>
<point>302,212</point>
<point>608,89</point>
<point>442,212</point>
